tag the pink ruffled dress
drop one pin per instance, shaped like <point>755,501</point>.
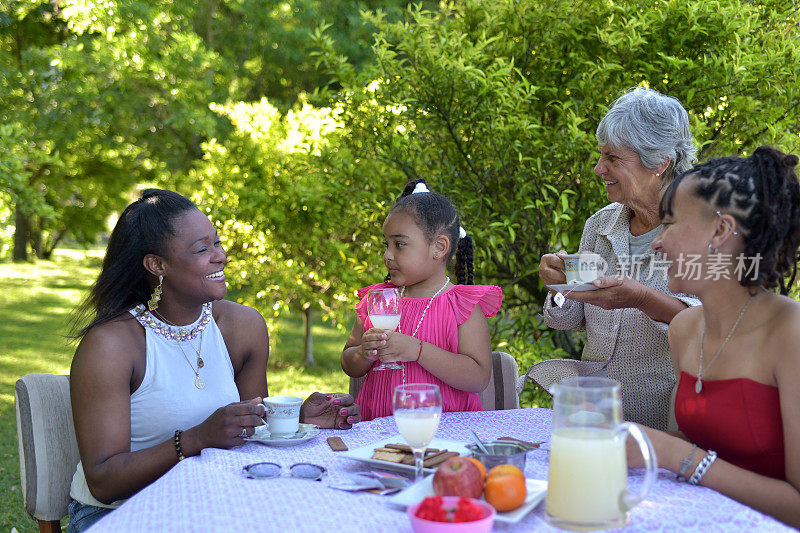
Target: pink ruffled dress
<point>448,310</point>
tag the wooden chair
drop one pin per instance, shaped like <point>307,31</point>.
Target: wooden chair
<point>48,450</point>
<point>501,393</point>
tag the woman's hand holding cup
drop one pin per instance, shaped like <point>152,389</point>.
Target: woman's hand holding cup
<point>551,268</point>
<point>225,428</point>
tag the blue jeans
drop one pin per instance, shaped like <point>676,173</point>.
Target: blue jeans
<point>82,517</point>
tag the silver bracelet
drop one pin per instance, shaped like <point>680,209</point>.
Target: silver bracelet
<point>686,464</point>
<point>703,467</point>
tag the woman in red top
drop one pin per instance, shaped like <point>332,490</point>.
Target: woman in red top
<point>731,231</point>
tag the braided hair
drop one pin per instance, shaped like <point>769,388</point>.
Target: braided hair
<point>762,193</point>
<point>436,215</point>
<point>143,228</point>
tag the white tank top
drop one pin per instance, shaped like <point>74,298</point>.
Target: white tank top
<point>168,398</point>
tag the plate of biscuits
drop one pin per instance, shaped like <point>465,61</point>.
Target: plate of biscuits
<point>393,454</point>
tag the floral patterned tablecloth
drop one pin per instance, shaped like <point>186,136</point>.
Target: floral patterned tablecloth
<point>208,492</point>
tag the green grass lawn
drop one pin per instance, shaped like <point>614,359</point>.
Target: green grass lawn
<point>36,301</point>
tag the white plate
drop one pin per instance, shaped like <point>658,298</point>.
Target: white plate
<point>304,433</point>
<point>364,453</point>
<point>564,287</point>
<point>537,489</point>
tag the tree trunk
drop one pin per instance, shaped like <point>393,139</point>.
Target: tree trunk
<point>21,232</point>
<point>35,237</point>
<point>308,339</point>
<point>49,244</point>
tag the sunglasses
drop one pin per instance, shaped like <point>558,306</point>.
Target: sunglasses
<point>272,470</point>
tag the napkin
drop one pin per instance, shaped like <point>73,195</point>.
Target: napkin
<point>369,481</point>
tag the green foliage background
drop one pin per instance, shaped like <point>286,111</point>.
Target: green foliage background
<point>295,124</point>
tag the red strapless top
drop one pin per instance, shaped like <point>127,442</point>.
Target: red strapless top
<point>738,418</point>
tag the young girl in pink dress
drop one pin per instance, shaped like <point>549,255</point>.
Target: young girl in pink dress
<point>445,337</point>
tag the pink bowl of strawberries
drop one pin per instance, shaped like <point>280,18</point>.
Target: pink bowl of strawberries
<point>446,514</point>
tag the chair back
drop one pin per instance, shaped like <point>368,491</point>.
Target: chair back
<point>355,385</point>
<point>501,392</point>
<point>48,450</point>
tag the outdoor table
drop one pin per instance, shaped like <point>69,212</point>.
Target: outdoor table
<point>209,492</point>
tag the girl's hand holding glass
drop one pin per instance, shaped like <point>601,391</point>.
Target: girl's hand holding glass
<point>384,307</point>
<point>371,342</point>
<point>399,347</point>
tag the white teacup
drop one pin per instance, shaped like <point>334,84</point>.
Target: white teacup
<point>583,268</point>
<point>283,415</point>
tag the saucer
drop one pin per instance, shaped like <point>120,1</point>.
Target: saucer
<point>569,287</point>
<point>305,432</point>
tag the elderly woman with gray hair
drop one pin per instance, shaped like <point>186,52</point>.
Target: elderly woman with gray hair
<point>644,142</point>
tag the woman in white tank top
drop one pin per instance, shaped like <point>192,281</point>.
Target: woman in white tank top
<point>161,372</point>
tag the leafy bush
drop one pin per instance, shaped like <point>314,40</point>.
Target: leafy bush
<point>495,103</point>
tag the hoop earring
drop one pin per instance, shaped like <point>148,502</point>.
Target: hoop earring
<point>152,303</point>
<point>715,251</point>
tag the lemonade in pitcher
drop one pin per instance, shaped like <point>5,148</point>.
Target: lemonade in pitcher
<point>598,456</point>
<point>587,487</point>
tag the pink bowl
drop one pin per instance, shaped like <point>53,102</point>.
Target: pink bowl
<point>420,525</point>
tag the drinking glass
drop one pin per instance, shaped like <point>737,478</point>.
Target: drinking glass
<point>587,486</point>
<point>384,307</point>
<point>417,410</point>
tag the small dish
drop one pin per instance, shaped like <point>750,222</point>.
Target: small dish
<point>537,490</point>
<point>484,525</point>
<point>305,432</point>
<point>500,453</point>
<point>567,287</point>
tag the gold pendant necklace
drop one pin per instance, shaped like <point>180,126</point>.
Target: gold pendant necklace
<point>198,381</point>
<point>698,386</point>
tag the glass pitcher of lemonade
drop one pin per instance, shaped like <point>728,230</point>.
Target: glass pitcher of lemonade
<point>587,487</point>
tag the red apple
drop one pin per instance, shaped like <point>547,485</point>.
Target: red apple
<point>458,477</point>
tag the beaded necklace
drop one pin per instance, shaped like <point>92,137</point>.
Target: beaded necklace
<point>424,312</point>
<point>179,334</point>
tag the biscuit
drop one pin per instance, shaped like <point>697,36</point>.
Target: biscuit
<point>337,444</point>
<point>390,456</point>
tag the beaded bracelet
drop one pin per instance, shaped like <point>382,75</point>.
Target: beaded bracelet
<point>686,463</point>
<point>703,467</point>
<point>177,441</point>
<point>420,352</point>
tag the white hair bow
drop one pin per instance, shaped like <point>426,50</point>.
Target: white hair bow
<point>420,187</point>
<point>461,232</point>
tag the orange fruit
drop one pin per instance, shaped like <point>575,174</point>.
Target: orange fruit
<point>505,488</point>
<point>479,465</point>
<point>505,470</point>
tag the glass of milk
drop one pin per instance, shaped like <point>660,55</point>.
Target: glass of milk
<point>384,307</point>
<point>417,410</point>
<point>587,487</point>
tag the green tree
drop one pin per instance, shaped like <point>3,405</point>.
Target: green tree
<point>268,48</point>
<point>105,96</point>
<point>279,210</point>
<point>109,94</point>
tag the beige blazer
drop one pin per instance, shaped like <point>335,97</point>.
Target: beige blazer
<point>634,346</point>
